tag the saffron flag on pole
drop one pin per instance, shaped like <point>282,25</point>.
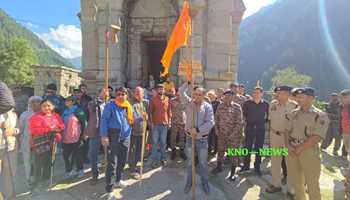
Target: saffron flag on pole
<point>178,38</point>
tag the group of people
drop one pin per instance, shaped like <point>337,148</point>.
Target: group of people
<point>117,122</point>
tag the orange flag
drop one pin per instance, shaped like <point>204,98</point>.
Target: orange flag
<point>179,37</point>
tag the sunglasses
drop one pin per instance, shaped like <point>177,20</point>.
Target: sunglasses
<point>50,91</point>
<point>121,94</point>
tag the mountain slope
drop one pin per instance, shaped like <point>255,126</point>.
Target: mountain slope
<point>295,33</point>
<point>76,62</point>
<point>10,28</point>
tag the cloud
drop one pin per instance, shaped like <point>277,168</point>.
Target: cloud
<point>31,25</point>
<point>65,40</point>
<point>254,6</point>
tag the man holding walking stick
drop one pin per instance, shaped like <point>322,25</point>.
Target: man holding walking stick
<point>201,113</point>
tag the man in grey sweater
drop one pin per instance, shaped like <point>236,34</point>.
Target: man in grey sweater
<point>199,122</point>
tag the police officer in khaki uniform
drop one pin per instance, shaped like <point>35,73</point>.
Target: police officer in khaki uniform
<point>307,126</point>
<point>228,127</point>
<point>278,110</point>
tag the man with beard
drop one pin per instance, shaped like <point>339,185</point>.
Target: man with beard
<point>159,118</point>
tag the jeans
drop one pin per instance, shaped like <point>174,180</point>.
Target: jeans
<point>201,148</point>
<point>94,148</point>
<point>135,151</point>
<point>117,149</point>
<point>71,156</point>
<point>159,136</point>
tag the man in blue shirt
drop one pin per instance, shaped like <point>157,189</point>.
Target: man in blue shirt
<point>115,130</point>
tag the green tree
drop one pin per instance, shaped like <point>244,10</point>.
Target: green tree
<point>289,76</point>
<point>16,60</point>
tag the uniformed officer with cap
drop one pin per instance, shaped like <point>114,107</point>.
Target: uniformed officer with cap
<point>306,127</point>
<point>229,129</point>
<point>278,110</point>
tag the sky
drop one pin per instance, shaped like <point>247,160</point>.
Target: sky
<point>57,24</point>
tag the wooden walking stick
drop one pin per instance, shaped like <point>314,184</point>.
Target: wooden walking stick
<point>114,30</point>
<point>142,147</point>
<point>53,159</point>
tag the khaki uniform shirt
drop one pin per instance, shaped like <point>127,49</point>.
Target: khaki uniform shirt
<point>302,125</point>
<point>278,115</point>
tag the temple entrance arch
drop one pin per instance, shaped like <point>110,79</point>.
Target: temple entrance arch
<point>149,24</point>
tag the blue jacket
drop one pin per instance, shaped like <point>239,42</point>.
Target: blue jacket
<point>115,117</point>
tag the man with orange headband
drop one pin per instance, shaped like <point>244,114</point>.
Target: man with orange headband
<point>115,131</point>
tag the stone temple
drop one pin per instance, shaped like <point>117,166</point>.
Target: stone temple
<point>146,27</point>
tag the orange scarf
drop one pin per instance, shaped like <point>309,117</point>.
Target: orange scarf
<point>125,104</point>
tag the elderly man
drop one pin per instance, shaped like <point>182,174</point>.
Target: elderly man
<point>199,122</point>
<point>140,107</point>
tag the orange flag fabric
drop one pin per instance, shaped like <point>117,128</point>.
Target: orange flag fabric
<point>179,37</point>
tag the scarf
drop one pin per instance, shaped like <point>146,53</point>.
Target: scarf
<point>67,112</point>
<point>125,104</point>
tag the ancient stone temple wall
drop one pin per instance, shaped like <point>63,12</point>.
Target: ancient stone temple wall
<point>214,39</point>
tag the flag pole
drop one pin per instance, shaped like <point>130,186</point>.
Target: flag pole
<point>106,74</point>
<point>193,116</point>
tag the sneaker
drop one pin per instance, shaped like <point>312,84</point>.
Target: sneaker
<point>206,189</point>
<point>273,189</point>
<point>187,188</point>
<point>120,184</point>
<point>232,178</point>
<point>80,174</point>
<point>164,163</point>
<point>135,175</point>
<point>154,165</point>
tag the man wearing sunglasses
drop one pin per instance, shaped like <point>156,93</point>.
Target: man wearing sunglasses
<point>58,100</point>
<point>115,131</point>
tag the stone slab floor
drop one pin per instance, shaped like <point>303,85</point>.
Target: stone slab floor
<point>167,184</point>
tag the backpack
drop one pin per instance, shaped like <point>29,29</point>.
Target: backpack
<point>7,102</point>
